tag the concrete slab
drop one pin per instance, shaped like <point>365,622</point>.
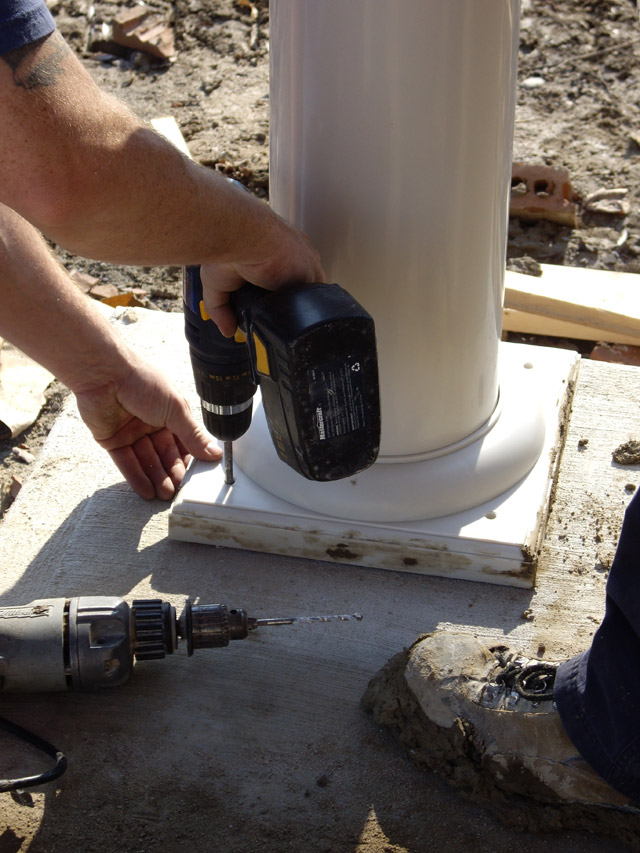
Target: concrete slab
<point>264,745</point>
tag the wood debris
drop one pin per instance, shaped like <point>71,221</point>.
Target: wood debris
<point>612,202</point>
<point>574,302</point>
<point>83,280</point>
<point>253,17</point>
<point>128,299</point>
<point>143,29</point>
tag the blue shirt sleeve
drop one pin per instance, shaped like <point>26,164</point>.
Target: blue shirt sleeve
<point>23,22</point>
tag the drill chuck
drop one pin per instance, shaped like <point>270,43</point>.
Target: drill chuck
<point>210,626</point>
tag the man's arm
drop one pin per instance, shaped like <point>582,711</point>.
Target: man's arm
<point>131,408</point>
<point>92,177</point>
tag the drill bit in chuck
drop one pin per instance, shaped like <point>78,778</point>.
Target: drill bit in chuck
<point>227,449</point>
<point>289,620</point>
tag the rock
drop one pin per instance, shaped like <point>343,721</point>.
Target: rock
<point>23,455</point>
<point>533,83</point>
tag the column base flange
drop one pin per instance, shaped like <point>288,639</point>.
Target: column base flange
<point>495,541</point>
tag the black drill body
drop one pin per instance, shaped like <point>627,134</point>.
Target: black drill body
<point>312,350</point>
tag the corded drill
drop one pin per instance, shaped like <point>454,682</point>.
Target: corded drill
<point>312,350</point>
<point>91,642</point>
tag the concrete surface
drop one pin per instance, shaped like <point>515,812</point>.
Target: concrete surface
<point>263,745</point>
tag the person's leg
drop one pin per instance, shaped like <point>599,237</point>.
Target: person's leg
<point>597,693</point>
<point>499,725</point>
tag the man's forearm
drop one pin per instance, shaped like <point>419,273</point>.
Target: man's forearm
<point>86,172</point>
<point>46,316</point>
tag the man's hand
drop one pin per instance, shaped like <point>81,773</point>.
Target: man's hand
<point>147,428</point>
<point>287,258</point>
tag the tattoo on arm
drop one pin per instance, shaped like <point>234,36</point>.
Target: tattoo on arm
<point>31,72</point>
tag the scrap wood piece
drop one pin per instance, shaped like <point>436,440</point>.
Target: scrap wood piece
<point>142,29</point>
<point>541,192</point>
<point>604,301</point>
<point>537,324</point>
<point>610,201</point>
<point>168,127</point>
<point>129,299</point>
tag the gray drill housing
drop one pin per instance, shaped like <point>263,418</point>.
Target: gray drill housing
<point>65,644</point>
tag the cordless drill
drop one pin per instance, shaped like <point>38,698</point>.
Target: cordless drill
<point>311,348</point>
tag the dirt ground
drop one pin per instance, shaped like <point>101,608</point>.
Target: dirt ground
<point>578,108</point>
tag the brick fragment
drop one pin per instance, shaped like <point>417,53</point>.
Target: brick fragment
<point>140,29</point>
<point>14,488</point>
<point>83,280</point>
<point>541,192</point>
<point>103,291</point>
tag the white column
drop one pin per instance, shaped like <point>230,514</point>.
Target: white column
<point>391,141</point>
<point>392,127</point>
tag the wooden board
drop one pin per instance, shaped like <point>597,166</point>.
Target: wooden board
<point>538,324</point>
<point>604,304</point>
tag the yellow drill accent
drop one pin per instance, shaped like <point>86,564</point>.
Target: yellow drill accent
<point>240,337</point>
<point>203,313</point>
<point>262,359</point>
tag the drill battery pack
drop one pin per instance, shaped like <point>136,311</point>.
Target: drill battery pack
<point>314,357</point>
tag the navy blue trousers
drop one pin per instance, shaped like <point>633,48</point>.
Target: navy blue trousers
<point>597,692</point>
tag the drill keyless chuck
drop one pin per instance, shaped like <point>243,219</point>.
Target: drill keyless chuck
<point>209,626</point>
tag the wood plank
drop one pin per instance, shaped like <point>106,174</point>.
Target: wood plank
<point>602,300</point>
<point>538,324</point>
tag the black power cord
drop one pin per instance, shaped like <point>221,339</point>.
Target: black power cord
<point>33,739</point>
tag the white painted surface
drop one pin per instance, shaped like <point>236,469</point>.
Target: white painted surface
<point>478,541</point>
<point>443,482</point>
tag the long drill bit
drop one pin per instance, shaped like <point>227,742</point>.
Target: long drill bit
<point>289,620</point>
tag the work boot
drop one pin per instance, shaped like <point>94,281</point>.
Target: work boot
<point>484,717</point>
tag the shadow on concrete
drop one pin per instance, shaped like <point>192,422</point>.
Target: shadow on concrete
<point>260,746</point>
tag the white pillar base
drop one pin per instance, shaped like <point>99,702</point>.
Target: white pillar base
<point>484,535</point>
